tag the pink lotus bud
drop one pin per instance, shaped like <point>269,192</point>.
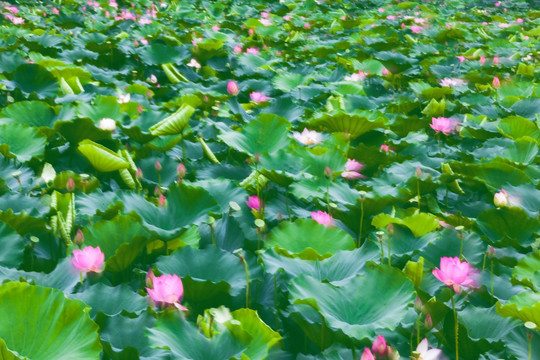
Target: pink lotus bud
<point>428,322</point>
<point>403,25</point>
<point>181,171</point>
<point>139,174</point>
<point>153,79</point>
<point>379,348</point>
<point>385,148</point>
<point>88,259</point>
<point>501,199</point>
<point>307,25</point>
<point>323,218</point>
<point>482,60</point>
<point>149,280</point>
<point>254,203</point>
<point>157,165</point>
<point>448,26</point>
<point>385,72</point>
<point>367,355</point>
<point>418,305</point>
<point>232,88</point>
<point>162,201</point>
<point>497,4</point>
<point>157,191</point>
<point>495,60</point>
<point>251,32</point>
<point>496,82</point>
<point>79,238</point>
<point>490,253</point>
<point>327,172</point>
<point>70,185</point>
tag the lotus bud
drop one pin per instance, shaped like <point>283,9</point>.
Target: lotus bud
<point>418,305</point>
<point>327,172</point>
<point>379,348</point>
<point>390,229</point>
<point>79,238</point>
<point>496,82</point>
<point>482,60</point>
<point>70,185</point>
<point>367,355</point>
<point>181,171</point>
<point>418,172</point>
<point>139,174</point>
<point>495,60</point>
<point>156,191</point>
<point>158,166</point>
<point>490,253</point>
<point>428,322</point>
<point>256,158</point>
<point>500,199</point>
<point>232,88</point>
<point>162,201</point>
<point>385,72</point>
<point>149,279</point>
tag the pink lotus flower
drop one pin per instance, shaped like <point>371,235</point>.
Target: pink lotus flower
<point>254,203</point>
<point>265,15</point>
<point>461,58</point>
<point>167,289</point>
<point>444,125</point>
<point>88,259</point>
<point>455,273</point>
<point>501,198</point>
<point>359,76</point>
<point>287,18</point>
<point>307,25</point>
<point>385,148</point>
<point>55,11</point>
<point>391,17</point>
<point>322,217</point>
<point>254,51</point>
<point>496,82</point>
<point>379,347</point>
<point>232,88</point>
<point>237,49</point>
<point>495,60</point>
<point>367,355</point>
<point>416,29</point>
<point>519,20</point>
<point>12,9</point>
<point>424,353</point>
<point>258,97</point>
<point>265,22</point>
<point>215,27</point>
<point>351,170</point>
<point>308,137</point>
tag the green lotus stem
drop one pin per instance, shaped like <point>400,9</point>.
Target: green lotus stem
<point>418,192</point>
<point>439,142</point>
<point>491,281</point>
<point>456,327</point>
<point>389,250</point>
<point>80,273</point>
<point>287,205</point>
<point>417,331</point>
<point>322,332</point>
<point>212,235</point>
<point>247,280</point>
<point>327,195</point>
<point>461,245</point>
<point>530,346</point>
<point>275,301</point>
<point>484,262</point>
<point>361,225</point>
<point>183,149</point>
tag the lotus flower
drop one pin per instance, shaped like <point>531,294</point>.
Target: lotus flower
<point>308,137</point>
<point>455,273</point>
<point>351,170</point>
<point>367,355</point>
<point>194,63</point>
<point>482,60</point>
<point>258,97</point>
<point>254,51</point>
<point>323,218</point>
<point>385,148</point>
<point>416,29</point>
<point>451,82</point>
<point>107,124</point>
<point>423,353</point>
<point>88,259</point>
<point>232,87</point>
<point>500,199</point>
<point>356,76</point>
<point>461,58</point>
<point>379,347</point>
<point>444,125</point>
<point>254,203</point>
<point>167,289</point>
<point>496,82</point>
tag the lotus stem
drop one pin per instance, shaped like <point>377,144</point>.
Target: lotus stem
<point>287,205</point>
<point>418,192</point>
<point>327,195</point>
<point>247,280</point>
<point>417,330</point>
<point>389,250</point>
<point>491,281</point>
<point>80,274</point>
<point>361,225</point>
<point>456,327</point>
<point>529,337</point>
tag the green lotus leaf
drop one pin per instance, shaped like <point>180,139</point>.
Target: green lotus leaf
<point>102,107</point>
<point>205,272</point>
<point>21,141</point>
<point>102,158</point>
<point>12,245</point>
<point>354,125</point>
<point>262,337</point>
<point>186,343</point>
<point>309,240</point>
<point>80,129</point>
<point>475,320</point>
<point>157,53</point>
<point>527,270</point>
<point>286,82</point>
<point>186,206</point>
<point>111,300</point>
<point>369,314</point>
<point>33,113</point>
<point>32,78</point>
<point>173,124</point>
<point>419,223</point>
<point>524,306</point>
<point>517,127</point>
<point>118,239</point>
<point>267,133</point>
<point>508,226</point>
<point>528,108</point>
<point>60,328</point>
<point>9,61</point>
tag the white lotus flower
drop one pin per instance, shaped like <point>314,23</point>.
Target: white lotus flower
<point>194,63</point>
<point>107,124</point>
<point>308,137</point>
<point>448,82</point>
<point>422,352</point>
